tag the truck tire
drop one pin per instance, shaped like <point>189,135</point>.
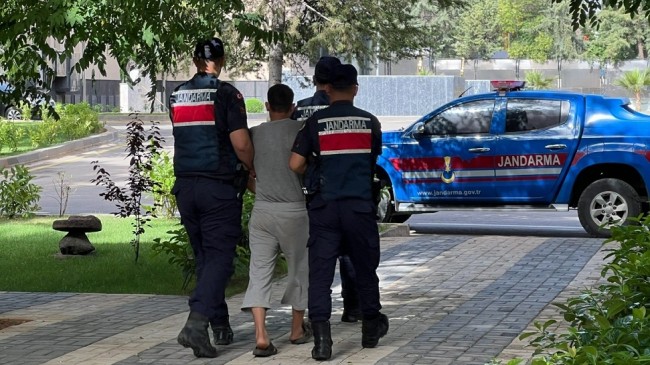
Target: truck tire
<point>13,113</point>
<point>386,206</point>
<point>606,203</point>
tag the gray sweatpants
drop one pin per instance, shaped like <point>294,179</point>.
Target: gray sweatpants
<point>274,227</point>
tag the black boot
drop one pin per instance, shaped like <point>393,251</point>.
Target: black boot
<point>349,292</point>
<point>195,335</point>
<point>351,311</point>
<point>322,341</point>
<point>222,334</point>
<point>372,330</point>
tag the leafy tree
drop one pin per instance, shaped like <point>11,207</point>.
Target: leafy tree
<point>359,30</point>
<point>635,81</point>
<point>440,24</point>
<point>478,31</point>
<point>585,12</point>
<point>524,34</point>
<point>152,34</point>
<point>556,22</point>
<point>613,41</point>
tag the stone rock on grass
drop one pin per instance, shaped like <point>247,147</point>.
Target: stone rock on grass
<point>76,242</point>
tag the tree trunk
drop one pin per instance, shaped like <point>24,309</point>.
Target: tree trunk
<point>276,56</point>
<point>276,53</point>
<point>640,49</point>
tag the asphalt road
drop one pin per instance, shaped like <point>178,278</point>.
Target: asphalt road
<point>511,223</point>
<point>84,198</point>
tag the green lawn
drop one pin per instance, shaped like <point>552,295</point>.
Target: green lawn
<point>30,260</point>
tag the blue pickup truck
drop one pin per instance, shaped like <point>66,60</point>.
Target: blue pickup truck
<point>513,149</point>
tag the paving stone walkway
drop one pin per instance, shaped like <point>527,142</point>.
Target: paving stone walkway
<point>450,300</point>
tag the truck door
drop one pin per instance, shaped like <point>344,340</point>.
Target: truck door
<point>536,139</point>
<point>450,158</point>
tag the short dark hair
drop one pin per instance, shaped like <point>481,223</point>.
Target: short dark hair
<point>280,98</point>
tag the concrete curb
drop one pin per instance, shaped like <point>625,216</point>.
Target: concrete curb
<point>396,230</point>
<point>59,150</point>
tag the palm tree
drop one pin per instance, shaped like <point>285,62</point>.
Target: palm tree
<point>536,80</point>
<point>635,81</point>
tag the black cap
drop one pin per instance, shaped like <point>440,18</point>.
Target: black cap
<point>343,76</point>
<point>324,68</point>
<point>209,49</point>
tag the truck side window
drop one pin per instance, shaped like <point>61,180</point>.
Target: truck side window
<point>527,114</point>
<point>467,118</point>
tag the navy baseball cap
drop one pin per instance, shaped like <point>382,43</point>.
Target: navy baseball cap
<point>209,49</point>
<point>324,68</point>
<point>343,76</point>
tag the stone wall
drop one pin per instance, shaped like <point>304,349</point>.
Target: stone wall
<point>393,95</point>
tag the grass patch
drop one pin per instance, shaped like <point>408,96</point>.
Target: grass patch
<point>30,260</point>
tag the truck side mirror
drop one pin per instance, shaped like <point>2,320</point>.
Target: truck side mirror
<point>418,129</point>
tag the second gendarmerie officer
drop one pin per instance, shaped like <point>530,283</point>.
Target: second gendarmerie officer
<point>211,142</point>
<point>344,142</point>
<point>304,109</point>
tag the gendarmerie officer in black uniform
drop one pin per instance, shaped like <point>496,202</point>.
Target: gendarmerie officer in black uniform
<point>211,143</point>
<point>343,142</point>
<point>304,109</point>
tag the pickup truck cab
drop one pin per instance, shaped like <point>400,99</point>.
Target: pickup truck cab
<point>514,149</point>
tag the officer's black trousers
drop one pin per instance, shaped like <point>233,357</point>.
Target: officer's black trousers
<point>332,224</point>
<point>211,214</point>
<point>348,283</point>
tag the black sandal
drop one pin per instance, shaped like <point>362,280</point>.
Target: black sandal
<point>307,334</point>
<point>270,350</point>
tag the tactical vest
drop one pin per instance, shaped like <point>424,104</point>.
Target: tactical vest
<point>201,146</point>
<point>345,161</point>
<point>306,107</point>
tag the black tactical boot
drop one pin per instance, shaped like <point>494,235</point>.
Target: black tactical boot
<point>222,334</point>
<point>322,341</point>
<point>372,330</point>
<point>195,335</point>
<point>351,311</point>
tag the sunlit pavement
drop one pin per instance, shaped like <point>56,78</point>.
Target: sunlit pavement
<point>451,299</point>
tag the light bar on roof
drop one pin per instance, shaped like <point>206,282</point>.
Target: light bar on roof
<point>506,85</point>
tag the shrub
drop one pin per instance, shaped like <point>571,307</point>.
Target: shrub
<point>45,134</point>
<point>25,110</point>
<point>78,121</point>
<point>180,251</point>
<point>18,195</point>
<point>536,80</point>
<point>609,324</point>
<point>10,135</point>
<point>75,121</point>
<point>178,248</point>
<point>162,173</point>
<point>254,105</point>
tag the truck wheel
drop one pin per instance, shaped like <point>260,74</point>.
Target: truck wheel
<point>606,203</point>
<point>386,206</point>
<point>13,113</point>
